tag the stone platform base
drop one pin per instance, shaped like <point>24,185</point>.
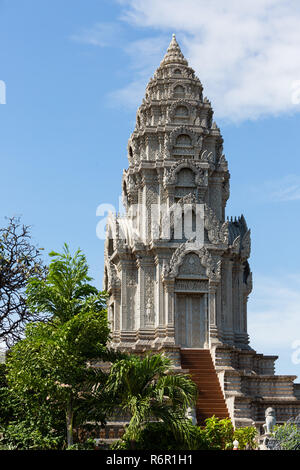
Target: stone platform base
<point>250,386</point>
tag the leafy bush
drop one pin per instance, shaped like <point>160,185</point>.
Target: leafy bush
<point>159,436</point>
<point>218,433</point>
<point>246,438</point>
<point>21,436</point>
<point>288,436</point>
<point>89,444</point>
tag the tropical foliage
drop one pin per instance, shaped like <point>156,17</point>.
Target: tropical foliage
<point>246,437</point>
<point>145,389</point>
<point>49,368</point>
<point>287,436</point>
<point>52,382</point>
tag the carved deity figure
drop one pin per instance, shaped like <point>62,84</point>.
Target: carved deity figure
<point>149,312</point>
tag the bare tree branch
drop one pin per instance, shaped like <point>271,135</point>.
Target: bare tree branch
<point>19,261</point>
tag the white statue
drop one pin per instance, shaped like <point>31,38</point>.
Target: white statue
<point>191,414</point>
<point>270,420</point>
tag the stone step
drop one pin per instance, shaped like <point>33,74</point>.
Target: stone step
<point>210,399</point>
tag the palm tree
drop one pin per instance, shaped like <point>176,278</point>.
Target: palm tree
<point>147,389</point>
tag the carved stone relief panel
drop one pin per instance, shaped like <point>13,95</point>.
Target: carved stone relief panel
<point>192,266</point>
<point>131,281</point>
<point>149,279</point>
<point>189,285</point>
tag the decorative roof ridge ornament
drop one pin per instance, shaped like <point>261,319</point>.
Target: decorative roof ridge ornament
<point>174,54</point>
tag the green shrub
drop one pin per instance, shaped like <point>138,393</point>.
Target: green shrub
<point>158,436</point>
<point>21,436</point>
<point>246,437</point>
<point>288,436</point>
<point>89,444</point>
<point>218,433</point>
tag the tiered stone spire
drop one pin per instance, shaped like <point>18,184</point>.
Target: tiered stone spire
<point>175,159</point>
<point>168,291</point>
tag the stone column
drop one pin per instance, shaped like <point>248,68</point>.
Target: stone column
<point>235,297</point>
<point>146,279</point>
<point>206,321</point>
<point>127,306</point>
<point>148,148</point>
<point>219,321</point>
<point>212,311</point>
<point>241,299</point>
<point>160,145</point>
<point>159,305</point>
<point>123,312</point>
<point>151,191</point>
<point>170,310</point>
<point>215,196</point>
<point>117,296</point>
<point>245,301</point>
<point>141,213</point>
<point>228,299</point>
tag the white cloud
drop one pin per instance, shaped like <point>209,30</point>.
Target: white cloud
<point>144,57</point>
<point>246,53</point>
<point>274,312</point>
<point>101,34</point>
<point>285,189</point>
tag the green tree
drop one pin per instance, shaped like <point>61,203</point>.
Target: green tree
<point>52,364</point>
<point>146,390</point>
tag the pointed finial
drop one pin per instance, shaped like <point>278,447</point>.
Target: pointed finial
<point>174,54</point>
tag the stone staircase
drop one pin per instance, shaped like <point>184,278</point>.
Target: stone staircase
<point>210,400</point>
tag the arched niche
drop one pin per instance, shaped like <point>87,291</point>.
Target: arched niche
<point>181,111</point>
<point>179,91</point>
<point>177,72</point>
<point>183,140</point>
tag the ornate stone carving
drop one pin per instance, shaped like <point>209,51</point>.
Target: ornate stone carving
<point>191,265</point>
<point>207,156</point>
<point>217,232</point>
<point>246,245</point>
<point>188,285</point>
<point>196,140</point>
<point>248,285</point>
<point>222,163</point>
<point>114,281</point>
<point>236,245</point>
<point>149,295</point>
<point>226,191</point>
<point>174,106</point>
<point>201,176</point>
<point>187,199</point>
<point>211,263</point>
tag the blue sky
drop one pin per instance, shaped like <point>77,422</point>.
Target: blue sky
<point>75,72</point>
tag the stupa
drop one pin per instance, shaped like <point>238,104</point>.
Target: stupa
<point>176,269</point>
